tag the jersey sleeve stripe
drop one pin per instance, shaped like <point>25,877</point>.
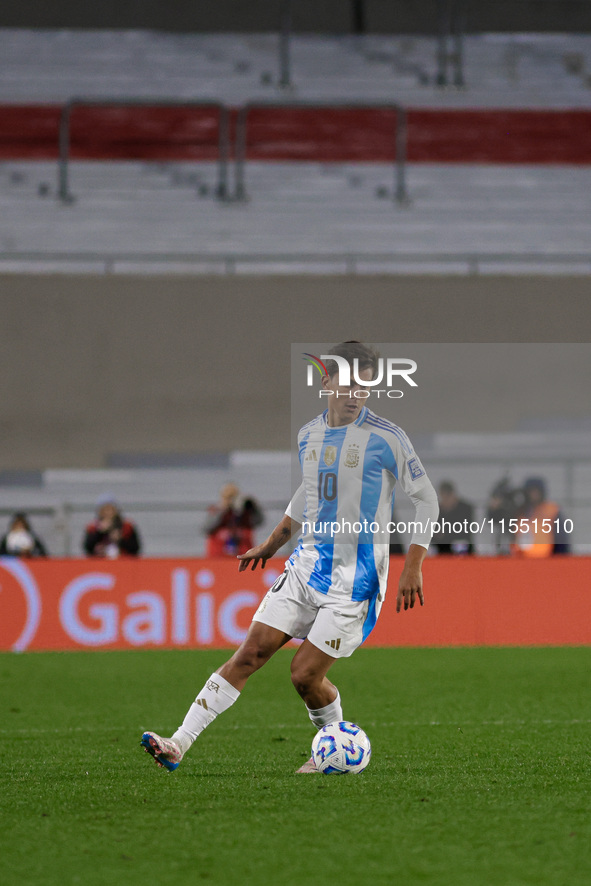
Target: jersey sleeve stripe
<point>385,425</point>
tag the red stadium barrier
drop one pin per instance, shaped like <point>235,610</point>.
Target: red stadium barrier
<point>495,135</point>
<point>101,604</point>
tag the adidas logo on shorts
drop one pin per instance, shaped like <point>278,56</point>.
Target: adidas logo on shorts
<point>334,644</point>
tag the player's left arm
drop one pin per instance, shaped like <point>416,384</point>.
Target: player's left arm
<point>410,585</point>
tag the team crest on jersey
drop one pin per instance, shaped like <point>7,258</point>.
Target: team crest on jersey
<point>330,455</point>
<point>352,456</point>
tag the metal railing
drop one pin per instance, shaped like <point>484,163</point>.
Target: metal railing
<point>284,44</point>
<point>399,138</point>
<point>449,40</point>
<point>63,190</point>
<point>451,26</point>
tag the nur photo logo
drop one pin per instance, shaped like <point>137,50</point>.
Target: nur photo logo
<point>390,370</point>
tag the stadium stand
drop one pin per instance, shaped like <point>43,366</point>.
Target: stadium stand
<point>498,176</point>
<point>498,173</point>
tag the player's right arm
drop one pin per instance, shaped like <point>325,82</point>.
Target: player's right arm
<point>261,553</point>
<point>291,523</point>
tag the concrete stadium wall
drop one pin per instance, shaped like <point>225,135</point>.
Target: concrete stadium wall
<point>330,16</point>
<point>93,365</point>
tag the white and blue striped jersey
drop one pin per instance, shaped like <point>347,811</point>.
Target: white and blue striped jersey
<point>345,503</point>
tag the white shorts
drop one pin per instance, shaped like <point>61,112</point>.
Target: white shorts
<point>332,623</point>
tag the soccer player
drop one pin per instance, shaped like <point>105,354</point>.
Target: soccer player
<point>334,583</point>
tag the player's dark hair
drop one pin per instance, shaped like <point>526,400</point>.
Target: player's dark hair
<point>366,356</point>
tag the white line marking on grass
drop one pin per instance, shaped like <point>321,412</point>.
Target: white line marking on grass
<point>65,730</point>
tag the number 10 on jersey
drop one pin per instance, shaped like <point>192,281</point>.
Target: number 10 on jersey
<point>327,486</point>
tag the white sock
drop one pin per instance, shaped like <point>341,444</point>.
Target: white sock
<point>216,697</point>
<point>332,713</point>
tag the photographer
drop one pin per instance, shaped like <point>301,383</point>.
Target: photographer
<point>526,524</point>
<point>110,535</point>
<point>504,504</point>
<point>230,524</point>
<point>453,510</point>
<point>20,540</point>
<point>540,530</point>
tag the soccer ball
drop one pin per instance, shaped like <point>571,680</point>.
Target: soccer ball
<point>341,747</point>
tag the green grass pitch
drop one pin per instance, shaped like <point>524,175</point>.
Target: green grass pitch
<point>480,772</point>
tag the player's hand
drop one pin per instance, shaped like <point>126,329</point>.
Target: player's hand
<point>257,555</point>
<point>410,587</point>
<point>261,553</point>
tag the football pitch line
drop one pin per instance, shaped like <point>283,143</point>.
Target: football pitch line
<point>66,730</point>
